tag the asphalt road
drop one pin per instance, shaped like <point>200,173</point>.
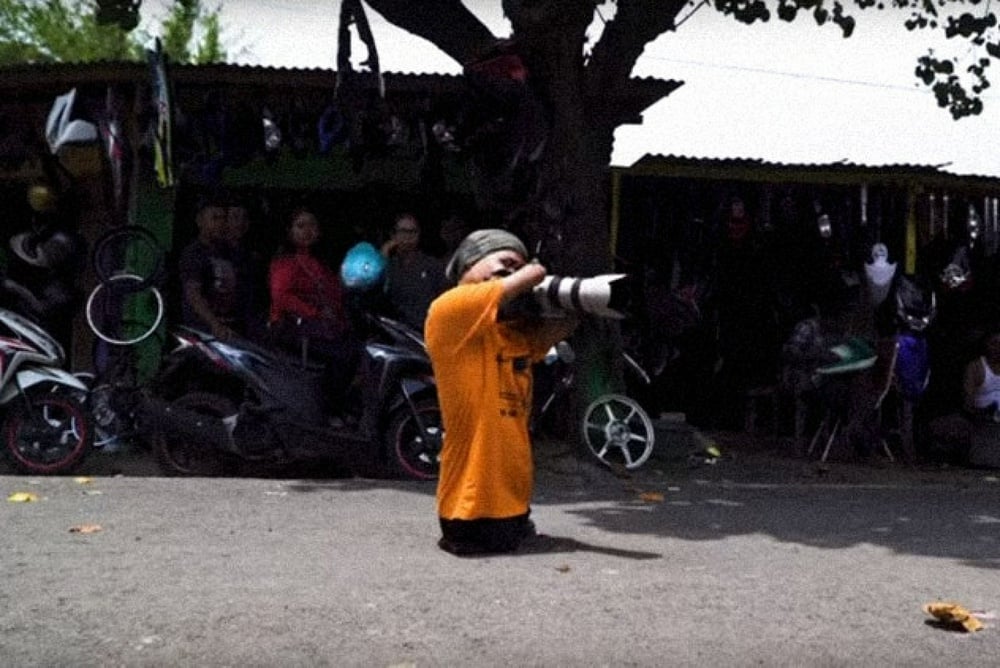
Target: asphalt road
<point>739,564</point>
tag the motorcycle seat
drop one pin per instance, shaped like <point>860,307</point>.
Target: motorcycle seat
<point>301,358</point>
<point>297,356</point>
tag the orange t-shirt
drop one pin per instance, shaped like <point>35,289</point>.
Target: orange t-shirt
<point>483,372</point>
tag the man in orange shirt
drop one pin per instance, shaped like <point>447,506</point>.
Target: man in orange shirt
<point>483,367</point>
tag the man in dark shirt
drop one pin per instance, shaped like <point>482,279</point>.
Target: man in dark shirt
<point>214,285</point>
<point>413,278</point>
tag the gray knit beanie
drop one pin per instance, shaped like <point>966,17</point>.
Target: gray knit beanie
<point>478,245</point>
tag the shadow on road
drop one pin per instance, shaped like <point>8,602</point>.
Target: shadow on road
<point>548,544</point>
<point>946,520</point>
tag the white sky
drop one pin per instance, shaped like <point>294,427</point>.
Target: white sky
<point>781,92</point>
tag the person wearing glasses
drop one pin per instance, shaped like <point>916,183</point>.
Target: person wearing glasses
<point>413,277</point>
<point>483,366</point>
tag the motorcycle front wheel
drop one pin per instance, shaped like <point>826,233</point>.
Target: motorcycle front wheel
<point>178,456</point>
<point>47,433</point>
<point>618,431</point>
<point>413,446</point>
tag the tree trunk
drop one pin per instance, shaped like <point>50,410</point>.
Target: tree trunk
<point>569,211</point>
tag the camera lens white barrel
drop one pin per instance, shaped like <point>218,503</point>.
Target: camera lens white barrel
<point>579,295</point>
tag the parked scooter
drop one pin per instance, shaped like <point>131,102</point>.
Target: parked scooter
<point>916,309</point>
<point>216,402</point>
<point>46,429</point>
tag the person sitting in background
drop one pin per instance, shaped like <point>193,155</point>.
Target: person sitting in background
<point>959,437</point>
<point>413,278</point>
<point>805,350</point>
<point>307,306</point>
<point>214,283</point>
<point>248,257</point>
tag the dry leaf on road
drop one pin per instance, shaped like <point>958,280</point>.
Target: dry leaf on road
<point>86,528</point>
<point>22,497</point>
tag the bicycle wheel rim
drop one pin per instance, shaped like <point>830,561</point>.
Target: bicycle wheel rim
<point>97,310</point>
<point>129,250</point>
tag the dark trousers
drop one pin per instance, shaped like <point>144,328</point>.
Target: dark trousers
<point>340,356</point>
<point>484,535</point>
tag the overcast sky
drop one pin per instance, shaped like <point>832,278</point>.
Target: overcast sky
<point>788,93</point>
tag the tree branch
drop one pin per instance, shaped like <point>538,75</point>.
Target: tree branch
<point>447,24</point>
<point>636,24</point>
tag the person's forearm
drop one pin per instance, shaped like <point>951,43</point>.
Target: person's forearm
<point>522,280</point>
<point>205,314</point>
<point>200,306</point>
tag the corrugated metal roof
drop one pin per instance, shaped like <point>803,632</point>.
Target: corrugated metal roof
<point>35,74</point>
<point>38,75</point>
<point>40,79</point>
<point>661,164</point>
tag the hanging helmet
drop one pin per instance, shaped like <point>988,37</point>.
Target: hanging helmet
<point>363,267</point>
<point>916,306</point>
<point>825,226</point>
<point>958,271</point>
<point>48,250</point>
<point>42,199</point>
<point>60,129</point>
<point>953,276</point>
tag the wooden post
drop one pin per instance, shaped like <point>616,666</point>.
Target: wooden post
<point>910,266</point>
<point>616,188</point>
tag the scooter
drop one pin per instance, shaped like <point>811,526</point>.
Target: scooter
<point>916,309</point>
<point>46,429</point>
<point>215,403</point>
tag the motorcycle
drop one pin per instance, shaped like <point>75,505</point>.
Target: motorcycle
<point>218,402</point>
<point>46,428</point>
<point>615,427</point>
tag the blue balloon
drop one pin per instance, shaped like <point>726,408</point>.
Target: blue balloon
<point>363,267</point>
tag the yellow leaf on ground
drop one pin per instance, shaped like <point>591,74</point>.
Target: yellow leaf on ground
<point>953,615</point>
<point>22,497</point>
<point>83,480</point>
<point>86,528</point>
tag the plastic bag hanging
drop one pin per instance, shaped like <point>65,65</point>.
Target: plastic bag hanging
<point>61,129</point>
